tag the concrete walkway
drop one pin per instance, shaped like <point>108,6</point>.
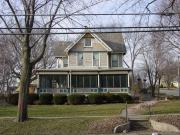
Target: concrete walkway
<point>133,111</point>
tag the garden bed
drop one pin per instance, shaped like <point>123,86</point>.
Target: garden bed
<point>169,119</point>
<point>105,126</point>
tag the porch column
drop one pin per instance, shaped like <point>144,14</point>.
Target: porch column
<point>98,83</point>
<point>128,79</point>
<point>70,82</point>
<point>38,84</point>
<point>128,83</point>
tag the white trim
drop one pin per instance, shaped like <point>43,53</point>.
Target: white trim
<point>95,36</point>
<point>68,60</point>
<point>74,43</point>
<point>107,60</point>
<point>99,60</point>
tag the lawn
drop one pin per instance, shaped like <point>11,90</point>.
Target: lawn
<point>165,107</point>
<point>55,126</point>
<point>45,127</point>
<point>65,110</point>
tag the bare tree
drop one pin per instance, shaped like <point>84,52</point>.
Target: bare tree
<point>28,42</point>
<point>155,60</point>
<point>135,47</point>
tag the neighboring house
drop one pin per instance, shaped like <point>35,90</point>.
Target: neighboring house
<point>92,63</point>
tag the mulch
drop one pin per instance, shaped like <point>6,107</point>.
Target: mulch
<point>105,126</point>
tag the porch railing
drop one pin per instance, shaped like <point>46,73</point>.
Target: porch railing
<point>84,90</point>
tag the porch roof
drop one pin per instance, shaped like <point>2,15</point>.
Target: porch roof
<point>68,70</point>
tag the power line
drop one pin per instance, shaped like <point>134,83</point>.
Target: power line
<point>99,14</point>
<point>128,31</point>
<point>93,28</point>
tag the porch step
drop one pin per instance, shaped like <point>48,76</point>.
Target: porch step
<point>140,125</point>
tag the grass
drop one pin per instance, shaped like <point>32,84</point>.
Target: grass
<point>65,110</point>
<point>55,126</point>
<point>45,127</point>
<point>165,107</point>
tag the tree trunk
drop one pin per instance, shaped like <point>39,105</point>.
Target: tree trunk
<point>153,91</point>
<point>24,85</point>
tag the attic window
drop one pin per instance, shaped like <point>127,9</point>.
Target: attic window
<point>87,42</point>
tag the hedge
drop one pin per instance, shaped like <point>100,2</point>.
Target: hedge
<point>123,98</point>
<point>96,98</point>
<point>13,99</point>
<point>60,99</point>
<point>32,98</point>
<point>75,99</point>
<point>46,99</point>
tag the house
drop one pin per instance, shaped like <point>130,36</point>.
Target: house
<point>93,63</point>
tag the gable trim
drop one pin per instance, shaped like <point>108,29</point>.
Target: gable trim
<point>74,43</point>
<point>81,36</point>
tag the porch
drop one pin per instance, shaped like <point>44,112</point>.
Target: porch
<point>83,82</point>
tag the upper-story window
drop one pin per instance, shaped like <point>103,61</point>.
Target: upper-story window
<point>95,58</point>
<point>116,60</point>
<point>65,62</point>
<point>80,58</point>
<point>87,42</point>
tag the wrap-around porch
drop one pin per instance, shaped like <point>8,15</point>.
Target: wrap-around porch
<point>83,82</point>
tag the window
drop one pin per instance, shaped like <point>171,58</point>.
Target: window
<point>84,81</point>
<point>114,60</point>
<point>103,81</point>
<point>117,81</point>
<point>94,81</point>
<point>80,59</point>
<point>65,62</point>
<point>80,81</point>
<point>95,58</point>
<point>124,82</point>
<point>87,42</point>
<point>114,81</point>
<point>53,81</point>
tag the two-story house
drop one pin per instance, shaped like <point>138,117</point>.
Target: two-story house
<point>92,63</point>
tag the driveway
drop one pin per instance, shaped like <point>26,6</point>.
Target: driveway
<point>173,92</point>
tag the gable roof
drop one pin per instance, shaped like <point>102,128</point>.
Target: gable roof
<point>113,42</point>
<point>94,35</point>
<point>60,47</point>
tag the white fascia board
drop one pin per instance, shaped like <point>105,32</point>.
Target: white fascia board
<point>74,43</point>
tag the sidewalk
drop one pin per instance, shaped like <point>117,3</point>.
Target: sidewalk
<point>134,109</point>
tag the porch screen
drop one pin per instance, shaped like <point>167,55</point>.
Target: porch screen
<point>114,81</point>
<point>84,81</point>
<point>53,81</point>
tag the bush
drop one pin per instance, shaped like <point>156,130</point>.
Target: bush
<point>13,99</point>
<point>60,99</point>
<point>173,97</point>
<point>111,98</point>
<point>32,98</point>
<point>96,98</point>
<point>75,99</point>
<point>128,98</point>
<point>122,98</point>
<point>46,99</point>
